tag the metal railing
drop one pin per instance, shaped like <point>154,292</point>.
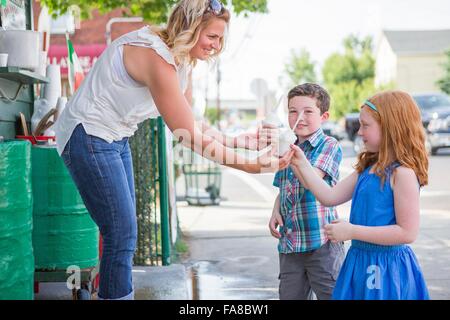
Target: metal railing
<point>148,147</point>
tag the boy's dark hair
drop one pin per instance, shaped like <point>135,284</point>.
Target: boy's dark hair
<point>312,90</point>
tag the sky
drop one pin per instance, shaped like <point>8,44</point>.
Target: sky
<point>259,46</point>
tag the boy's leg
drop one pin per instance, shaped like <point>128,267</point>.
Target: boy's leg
<point>294,282</point>
<point>322,268</point>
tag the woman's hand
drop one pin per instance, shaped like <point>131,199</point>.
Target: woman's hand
<point>267,162</point>
<point>339,230</point>
<point>267,135</point>
<point>247,140</point>
<point>257,141</point>
<point>270,163</point>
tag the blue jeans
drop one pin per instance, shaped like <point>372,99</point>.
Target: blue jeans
<point>103,174</point>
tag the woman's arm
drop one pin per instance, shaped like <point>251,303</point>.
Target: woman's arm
<point>147,67</point>
<point>247,140</point>
<point>188,92</point>
<point>407,211</point>
<point>311,180</point>
<point>230,142</point>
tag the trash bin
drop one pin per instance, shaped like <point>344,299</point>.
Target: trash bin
<point>16,207</point>
<point>64,233</point>
<point>203,180</point>
<point>65,238</point>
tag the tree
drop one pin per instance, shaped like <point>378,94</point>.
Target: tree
<point>300,68</point>
<point>347,97</point>
<point>444,83</point>
<point>357,62</point>
<point>155,11</point>
<point>349,77</point>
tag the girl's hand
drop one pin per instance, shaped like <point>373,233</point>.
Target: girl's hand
<point>339,230</point>
<point>298,155</point>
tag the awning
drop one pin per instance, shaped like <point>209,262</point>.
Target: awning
<point>87,54</point>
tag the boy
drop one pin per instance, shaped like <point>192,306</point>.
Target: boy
<point>308,261</point>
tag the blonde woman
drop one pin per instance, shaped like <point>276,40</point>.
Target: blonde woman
<point>141,75</point>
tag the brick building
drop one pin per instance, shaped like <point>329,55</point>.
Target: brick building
<point>89,40</point>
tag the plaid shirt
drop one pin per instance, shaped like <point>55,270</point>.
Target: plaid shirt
<point>303,216</point>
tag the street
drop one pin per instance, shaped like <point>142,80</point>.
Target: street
<point>233,256</point>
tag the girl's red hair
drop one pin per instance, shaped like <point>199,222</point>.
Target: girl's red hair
<point>403,136</point>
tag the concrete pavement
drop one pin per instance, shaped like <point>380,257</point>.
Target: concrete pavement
<point>150,283</point>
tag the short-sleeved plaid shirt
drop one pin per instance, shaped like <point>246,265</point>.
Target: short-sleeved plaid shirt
<point>303,216</point>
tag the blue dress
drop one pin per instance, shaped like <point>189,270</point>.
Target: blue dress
<point>378,272</point>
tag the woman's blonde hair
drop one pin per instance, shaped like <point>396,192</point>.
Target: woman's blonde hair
<point>402,135</point>
<point>187,19</point>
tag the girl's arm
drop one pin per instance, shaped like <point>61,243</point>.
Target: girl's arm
<point>406,202</point>
<point>299,175</point>
<point>327,195</point>
<point>145,66</point>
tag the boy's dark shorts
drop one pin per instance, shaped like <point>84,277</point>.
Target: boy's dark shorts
<point>302,273</point>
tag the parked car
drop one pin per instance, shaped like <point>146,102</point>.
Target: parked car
<point>435,109</point>
<point>333,129</point>
<point>352,125</point>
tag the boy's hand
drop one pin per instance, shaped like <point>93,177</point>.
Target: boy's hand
<point>339,230</point>
<point>275,221</point>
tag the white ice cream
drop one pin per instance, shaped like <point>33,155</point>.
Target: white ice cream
<point>272,119</point>
<point>287,137</point>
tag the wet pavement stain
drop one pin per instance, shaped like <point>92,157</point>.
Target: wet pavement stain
<point>209,282</point>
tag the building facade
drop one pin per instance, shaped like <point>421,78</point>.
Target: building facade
<point>411,60</point>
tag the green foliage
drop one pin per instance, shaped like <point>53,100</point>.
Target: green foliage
<point>444,83</point>
<point>145,164</point>
<point>300,68</point>
<point>349,76</point>
<point>181,246</point>
<point>347,97</point>
<point>180,249</point>
<point>211,114</point>
<point>154,11</point>
<point>357,63</point>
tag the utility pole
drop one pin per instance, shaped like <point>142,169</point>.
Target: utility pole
<point>219,79</point>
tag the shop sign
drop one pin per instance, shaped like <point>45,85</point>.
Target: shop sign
<point>12,15</point>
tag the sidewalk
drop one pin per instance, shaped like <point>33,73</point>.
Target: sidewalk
<point>150,283</point>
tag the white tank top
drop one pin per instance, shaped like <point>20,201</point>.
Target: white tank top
<point>109,103</point>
